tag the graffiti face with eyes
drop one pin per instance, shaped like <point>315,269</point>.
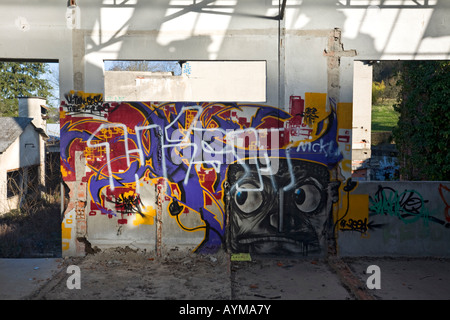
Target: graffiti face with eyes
<point>287,214</point>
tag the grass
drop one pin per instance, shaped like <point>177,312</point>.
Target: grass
<point>384,117</point>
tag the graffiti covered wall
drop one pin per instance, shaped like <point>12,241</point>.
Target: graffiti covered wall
<point>395,218</point>
<point>252,177</point>
<point>247,177</point>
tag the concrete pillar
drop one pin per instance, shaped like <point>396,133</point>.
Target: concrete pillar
<point>35,108</point>
<point>362,114</point>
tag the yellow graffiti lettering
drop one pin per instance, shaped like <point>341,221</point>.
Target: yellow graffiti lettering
<point>66,233</point>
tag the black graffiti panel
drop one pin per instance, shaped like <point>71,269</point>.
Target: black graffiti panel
<point>287,214</point>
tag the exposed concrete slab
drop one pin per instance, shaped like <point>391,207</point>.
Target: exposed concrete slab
<point>20,277</point>
<point>286,279</point>
<point>179,275</point>
<point>406,278</point>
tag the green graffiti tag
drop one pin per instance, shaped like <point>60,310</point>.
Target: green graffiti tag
<point>408,206</point>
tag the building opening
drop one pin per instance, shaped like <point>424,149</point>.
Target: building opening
<point>225,81</point>
<point>30,215</point>
<point>399,120</point>
<point>376,89</point>
<point>383,163</point>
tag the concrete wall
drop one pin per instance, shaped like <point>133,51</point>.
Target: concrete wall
<point>165,175</point>
<point>303,52</point>
<point>395,218</point>
<point>80,39</point>
<point>199,81</point>
<point>314,48</point>
<point>248,177</point>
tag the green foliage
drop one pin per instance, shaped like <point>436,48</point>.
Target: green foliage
<point>385,78</point>
<point>21,79</point>
<point>422,134</point>
<point>378,89</point>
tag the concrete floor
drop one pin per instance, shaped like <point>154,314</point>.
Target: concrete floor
<point>187,277</point>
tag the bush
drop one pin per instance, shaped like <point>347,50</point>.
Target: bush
<point>34,231</point>
<point>378,89</point>
<point>423,131</point>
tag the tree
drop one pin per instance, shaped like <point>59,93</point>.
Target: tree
<point>385,79</point>
<point>21,79</point>
<point>422,135</point>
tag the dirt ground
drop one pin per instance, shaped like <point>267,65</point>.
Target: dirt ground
<point>123,274</point>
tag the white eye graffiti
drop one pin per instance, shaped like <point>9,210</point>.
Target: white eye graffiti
<point>248,201</point>
<point>307,198</point>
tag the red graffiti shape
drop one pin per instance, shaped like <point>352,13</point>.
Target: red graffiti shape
<point>445,196</point>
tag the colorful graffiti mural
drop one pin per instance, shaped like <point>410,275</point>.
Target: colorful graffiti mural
<point>279,170</point>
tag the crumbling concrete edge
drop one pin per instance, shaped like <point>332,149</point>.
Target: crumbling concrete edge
<point>348,279</point>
